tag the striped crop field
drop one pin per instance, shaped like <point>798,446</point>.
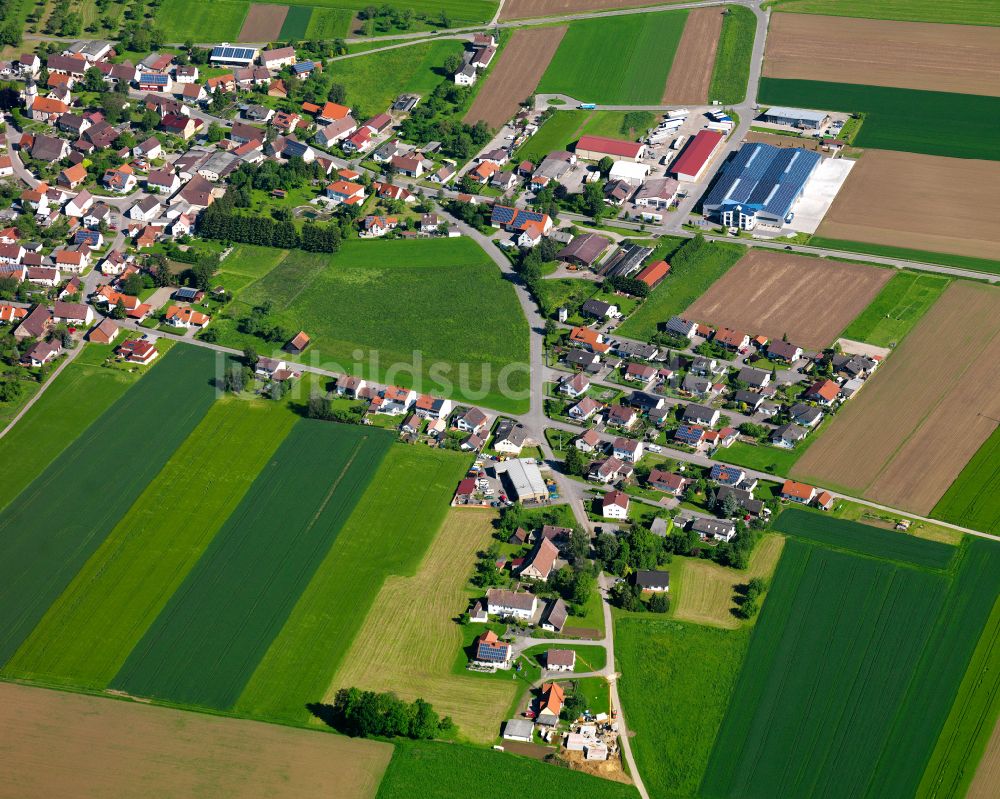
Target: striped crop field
<point>207,641</point>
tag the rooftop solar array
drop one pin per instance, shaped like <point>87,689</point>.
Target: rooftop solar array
<point>303,66</point>
<point>228,53</point>
<point>516,217</point>
<point>763,178</point>
<point>153,77</point>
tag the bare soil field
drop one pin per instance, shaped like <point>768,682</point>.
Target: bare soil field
<point>522,64</point>
<point>984,784</point>
<point>776,294</point>
<point>783,141</point>
<point>61,744</point>
<point>877,204</point>
<point>879,52</point>
<point>691,72</point>
<point>263,23</point>
<point>409,641</point>
<point>905,437</point>
<point>528,9</point>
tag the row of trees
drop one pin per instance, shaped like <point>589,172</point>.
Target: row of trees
<point>366,714</point>
<point>437,117</point>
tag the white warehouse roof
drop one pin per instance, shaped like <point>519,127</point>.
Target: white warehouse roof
<point>628,171</point>
<point>796,113</point>
<point>525,478</point>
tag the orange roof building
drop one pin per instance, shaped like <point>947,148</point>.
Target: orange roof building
<point>550,703</point>
<point>185,316</point>
<point>654,273</point>
<point>797,492</point>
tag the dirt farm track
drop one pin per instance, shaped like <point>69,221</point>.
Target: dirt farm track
<point>691,73</point>
<point>879,200</point>
<point>521,65</point>
<point>809,299</point>
<point>62,744</point>
<point>527,9</point>
<point>907,434</point>
<point>875,52</point>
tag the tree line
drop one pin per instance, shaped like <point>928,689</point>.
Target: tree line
<point>366,714</point>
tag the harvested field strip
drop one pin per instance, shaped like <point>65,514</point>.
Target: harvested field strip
<point>81,392</point>
<point>416,660</point>
<point>263,23</point>
<point>897,119</point>
<point>904,439</point>
<point>825,677</point>
<point>89,631</point>
<point>908,254</point>
<point>296,23</point>
<point>809,300</point>
<point>676,681</point>
<point>691,72</point>
<point>874,203</point>
<point>864,539</point>
<point>50,530</point>
<point>515,75</point>
<point>971,721</point>
<point>708,590</point>
<point>908,55</point>
<point>973,500</point>
<point>633,70</point>
<point>897,308</point>
<point>528,9</point>
<point>732,59</point>
<point>62,744</point>
<point>987,774</point>
<point>437,770</point>
<point>205,644</point>
<point>388,533</point>
<point>966,12</point>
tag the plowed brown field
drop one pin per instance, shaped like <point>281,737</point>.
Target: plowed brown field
<point>923,202</point>
<point>984,784</point>
<point>263,23</point>
<point>878,52</point>
<point>907,435</point>
<point>60,744</point>
<point>773,293</point>
<point>528,9</point>
<point>515,76</point>
<point>691,72</point>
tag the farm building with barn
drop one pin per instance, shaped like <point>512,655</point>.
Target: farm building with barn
<point>697,155</point>
<point>594,148</point>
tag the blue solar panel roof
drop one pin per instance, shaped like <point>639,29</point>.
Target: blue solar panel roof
<point>233,53</point>
<point>763,178</point>
<point>154,77</point>
<point>303,66</point>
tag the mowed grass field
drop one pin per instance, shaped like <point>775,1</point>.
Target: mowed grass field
<point>564,128</point>
<point>181,20</point>
<point>443,298</point>
<point>622,59</point>
<point>65,744</point>
<point>435,770</point>
<point>90,630</point>
<point>960,12</point>
<point>909,254</point>
<point>851,673</point>
<point>296,23</point>
<point>897,308</point>
<point>389,533</point>
<point>416,659</point>
<point>677,680</point>
<point>901,119</point>
<point>81,393</point>
<point>55,524</point>
<point>732,60</point>
<point>205,644</point>
<point>973,500</point>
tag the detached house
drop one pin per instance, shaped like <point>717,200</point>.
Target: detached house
<point>797,492</point>
<point>120,180</point>
<point>614,505</point>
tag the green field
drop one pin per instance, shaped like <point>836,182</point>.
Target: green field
<point>622,59</point>
<point>732,60</point>
<point>207,641</point>
<point>896,309</point>
<point>388,298</point>
<point>374,80</point>
<point>764,457</point>
<point>962,12</point>
<point>329,23</point>
<point>901,119</point>
<point>851,673</point>
<point>445,771</point>
<point>296,23</point>
<point>81,393</point>
<point>689,278</point>
<point>973,500</point>
<point>219,21</point>
<point>54,525</point>
<point>694,670</point>
<point>558,132</point>
<point>863,538</point>
<point>378,540</point>
<point>923,256</point>
<point>90,630</point>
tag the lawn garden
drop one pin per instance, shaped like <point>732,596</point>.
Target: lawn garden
<point>897,308</point>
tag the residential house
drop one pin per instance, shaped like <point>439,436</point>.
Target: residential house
<point>584,409</point>
<point>755,378</point>
<point>668,482</point>
<point>346,192</point>
<point>490,650</point>
<point>120,180</point>
<point>41,353</point>
<point>731,339</point>
<point>784,351</point>
<point>600,310</point>
<point>74,261</point>
<point>805,415</point>
<point>472,420</point>
<point>700,415</point>
<point>49,148</point>
<point>797,492</point>
<point>588,441</point>
<point>539,564</point>
<point>36,324</point>
<point>824,500</point>
<point>162,181</point>
<point>717,529</point>
<point>511,604</point>
<point>180,125</point>
<point>788,435</point>
<point>614,505</point>
<point>277,58</point>
<point>651,580</point>
<point>72,176</point>
<point>574,385</point>
<point>184,316</point>
<point>622,416</point>
<point>560,660</point>
<point>555,616</point>
<point>138,350</point>
<point>72,313</point>
<point>510,437</point>
<point>628,450</point>
<point>336,132</point>
<point>690,434</point>
<point>682,327</point>
<point>639,373</point>
<point>726,475</point>
<point>374,226</point>
<point>609,470</point>
<point>823,392</point>
<point>146,209</point>
<point>550,704</point>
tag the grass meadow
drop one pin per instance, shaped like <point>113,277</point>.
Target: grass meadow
<point>623,59</point>
<point>90,630</point>
<point>81,393</point>
<point>205,644</point>
<point>687,281</point>
<point>434,770</point>
<point>962,12</point>
<point>677,680</point>
<point>329,23</point>
<point>389,533</point>
<point>564,128</point>
<point>903,253</point>
<point>296,23</point>
<point>897,308</point>
<point>973,500</point>
<point>55,524</point>
<point>386,299</point>
<point>732,60</point>
<point>181,20</point>
<point>901,119</point>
